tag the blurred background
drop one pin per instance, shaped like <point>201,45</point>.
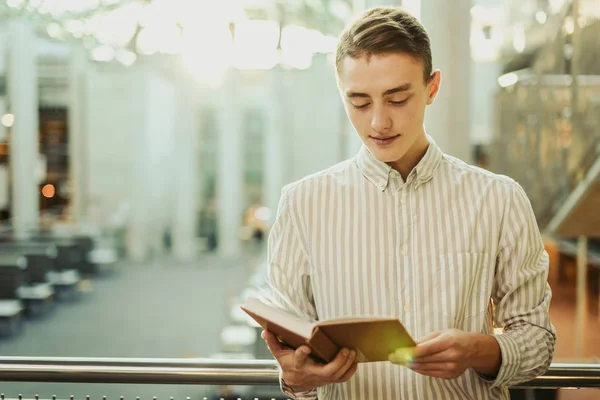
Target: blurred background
<point>144,144</point>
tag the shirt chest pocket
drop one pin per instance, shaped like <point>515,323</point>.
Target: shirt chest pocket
<point>461,287</point>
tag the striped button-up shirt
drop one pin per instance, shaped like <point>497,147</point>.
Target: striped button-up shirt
<point>434,251</point>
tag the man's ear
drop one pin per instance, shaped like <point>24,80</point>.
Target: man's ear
<point>433,87</point>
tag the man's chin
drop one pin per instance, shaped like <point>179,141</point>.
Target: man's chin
<point>387,155</point>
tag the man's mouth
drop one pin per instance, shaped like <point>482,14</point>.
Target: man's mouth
<point>384,140</point>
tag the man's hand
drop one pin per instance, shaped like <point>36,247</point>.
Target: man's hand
<point>448,354</point>
<point>302,373</point>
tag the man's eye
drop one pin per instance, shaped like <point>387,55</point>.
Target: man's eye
<point>398,103</point>
<point>359,106</point>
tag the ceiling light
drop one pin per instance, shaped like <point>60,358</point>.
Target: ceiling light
<point>15,3</point>
<point>507,80</point>
<point>127,58</point>
<point>103,53</point>
<point>8,120</point>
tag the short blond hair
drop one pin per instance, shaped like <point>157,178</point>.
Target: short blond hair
<point>383,30</point>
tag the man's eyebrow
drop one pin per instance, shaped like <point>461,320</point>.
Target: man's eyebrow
<point>401,88</point>
<point>351,95</point>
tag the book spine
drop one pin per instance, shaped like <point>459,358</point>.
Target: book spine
<point>322,346</point>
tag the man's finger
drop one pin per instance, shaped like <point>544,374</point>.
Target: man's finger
<point>347,364</point>
<point>274,345</point>
<point>349,374</point>
<point>301,357</point>
<point>431,346</point>
<point>438,366</point>
<point>442,356</point>
<point>429,337</point>
<point>328,370</point>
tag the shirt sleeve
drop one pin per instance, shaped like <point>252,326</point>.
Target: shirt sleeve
<point>522,296</point>
<point>288,276</point>
<point>308,395</point>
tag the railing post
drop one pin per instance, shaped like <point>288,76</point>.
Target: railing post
<point>581,305</point>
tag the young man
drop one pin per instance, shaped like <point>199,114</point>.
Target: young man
<point>404,230</point>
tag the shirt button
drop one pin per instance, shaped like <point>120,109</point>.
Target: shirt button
<point>404,250</point>
<point>403,200</point>
<point>407,308</point>
<point>382,185</point>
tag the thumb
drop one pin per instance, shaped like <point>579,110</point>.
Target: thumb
<point>402,356</point>
<point>272,343</point>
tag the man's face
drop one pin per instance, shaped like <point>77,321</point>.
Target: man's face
<point>385,98</point>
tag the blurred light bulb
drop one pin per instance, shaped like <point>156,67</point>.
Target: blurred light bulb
<point>569,25</point>
<point>127,58</point>
<point>54,30</point>
<point>103,53</point>
<point>8,120</point>
<point>507,80</point>
<point>262,213</point>
<point>75,27</point>
<point>15,3</point>
<point>519,38</point>
<point>541,17</point>
<point>48,191</point>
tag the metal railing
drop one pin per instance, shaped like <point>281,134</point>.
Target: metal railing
<point>216,372</point>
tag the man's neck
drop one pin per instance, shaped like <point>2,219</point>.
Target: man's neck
<point>412,157</point>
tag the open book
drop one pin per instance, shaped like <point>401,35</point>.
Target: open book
<point>372,338</point>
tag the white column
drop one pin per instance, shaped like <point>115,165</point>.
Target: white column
<point>484,75</point>
<point>140,226</point>
<point>352,141</point>
<point>23,100</point>
<point>447,120</point>
<point>413,7</point>
<point>230,181</point>
<point>315,119</point>
<point>186,171</point>
<point>114,129</point>
<point>152,159</point>
<point>3,47</point>
<point>77,133</point>
<point>276,139</point>
<point>3,111</point>
<point>161,116</point>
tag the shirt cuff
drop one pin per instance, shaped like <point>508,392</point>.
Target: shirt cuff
<point>511,359</point>
<point>288,391</point>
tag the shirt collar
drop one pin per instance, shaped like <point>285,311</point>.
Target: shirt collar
<point>380,174</point>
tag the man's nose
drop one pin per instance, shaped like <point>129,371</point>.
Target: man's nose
<point>381,121</point>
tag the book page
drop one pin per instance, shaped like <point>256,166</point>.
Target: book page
<point>374,339</point>
<point>350,320</point>
<point>278,316</point>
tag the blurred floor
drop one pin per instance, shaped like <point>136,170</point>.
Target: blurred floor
<point>562,314</point>
<point>159,310</point>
